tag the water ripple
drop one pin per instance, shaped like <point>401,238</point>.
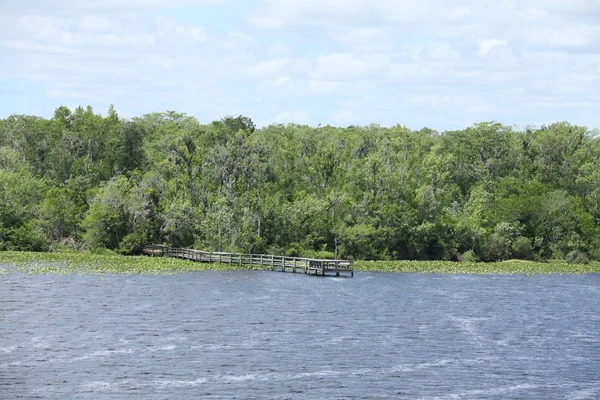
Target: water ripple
<point>264,335</point>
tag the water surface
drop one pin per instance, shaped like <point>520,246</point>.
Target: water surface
<point>289,336</point>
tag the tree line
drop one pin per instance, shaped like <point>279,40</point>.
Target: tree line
<point>487,192</point>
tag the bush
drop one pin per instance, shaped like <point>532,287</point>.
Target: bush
<point>294,250</point>
<point>67,244</point>
<point>522,248</point>
<point>275,250</point>
<point>323,254</point>
<point>27,237</point>
<point>593,250</point>
<point>102,251</point>
<point>468,256</point>
<point>493,248</point>
<point>595,253</point>
<point>319,254</point>
<point>132,244</point>
<point>577,257</point>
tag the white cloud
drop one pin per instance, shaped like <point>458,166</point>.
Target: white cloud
<point>69,34</point>
<point>169,28</point>
<point>37,26</point>
<point>567,6</point>
<point>276,14</point>
<point>277,67</point>
<point>271,67</point>
<point>70,94</point>
<point>94,23</point>
<point>345,61</point>
<point>344,118</point>
<point>487,45</point>
<point>158,60</point>
<point>442,51</point>
<point>284,82</point>
<point>238,40</point>
<point>534,14</point>
<point>70,6</point>
<point>297,117</point>
<point>22,45</point>
<point>340,66</point>
<point>434,100</point>
<point>412,70</point>
<point>358,36</point>
<point>321,87</point>
<point>478,109</point>
<point>460,12</point>
<point>572,36</point>
<point>115,40</point>
<point>278,48</point>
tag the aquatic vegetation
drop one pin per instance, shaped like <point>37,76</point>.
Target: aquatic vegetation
<point>88,263</point>
<point>504,267</point>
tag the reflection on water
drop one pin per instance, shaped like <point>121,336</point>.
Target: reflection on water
<point>272,335</point>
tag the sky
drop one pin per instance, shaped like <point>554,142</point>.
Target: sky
<point>419,63</point>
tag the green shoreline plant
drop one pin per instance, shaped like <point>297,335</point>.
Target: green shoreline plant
<point>99,264</point>
<point>502,267</point>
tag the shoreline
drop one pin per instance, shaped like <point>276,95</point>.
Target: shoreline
<point>98,264</point>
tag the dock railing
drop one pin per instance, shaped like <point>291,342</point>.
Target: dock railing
<point>276,263</point>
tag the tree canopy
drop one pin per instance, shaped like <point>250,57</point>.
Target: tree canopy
<point>487,192</point>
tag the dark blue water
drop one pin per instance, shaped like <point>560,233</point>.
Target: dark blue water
<point>289,336</point>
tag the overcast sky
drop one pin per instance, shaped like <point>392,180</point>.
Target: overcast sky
<point>440,64</point>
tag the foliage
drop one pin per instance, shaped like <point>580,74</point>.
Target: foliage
<point>468,256</point>
<point>522,248</point>
<point>132,244</point>
<point>504,267</point>
<point>106,221</point>
<point>20,195</point>
<point>577,257</point>
<point>487,192</point>
<point>101,262</point>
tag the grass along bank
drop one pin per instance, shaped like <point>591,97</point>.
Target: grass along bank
<point>89,263</point>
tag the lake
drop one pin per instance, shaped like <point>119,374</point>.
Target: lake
<point>255,335</point>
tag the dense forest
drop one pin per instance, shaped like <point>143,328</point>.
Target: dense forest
<point>489,192</point>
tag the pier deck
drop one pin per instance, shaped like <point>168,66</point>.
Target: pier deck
<point>309,266</point>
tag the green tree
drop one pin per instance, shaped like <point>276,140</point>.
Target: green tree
<point>20,195</point>
<point>107,221</point>
<point>60,213</point>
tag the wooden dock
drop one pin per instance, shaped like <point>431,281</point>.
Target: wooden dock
<point>276,263</point>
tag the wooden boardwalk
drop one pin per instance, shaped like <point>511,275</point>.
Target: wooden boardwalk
<point>276,263</point>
